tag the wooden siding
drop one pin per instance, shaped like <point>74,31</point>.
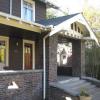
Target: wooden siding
<point>15,53</point>
<point>40,11</point>
<point>5,6</point>
<point>16,8</point>
<point>40,8</point>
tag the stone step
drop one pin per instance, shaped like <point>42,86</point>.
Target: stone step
<point>74,82</point>
<point>89,88</point>
<point>69,81</point>
<point>84,85</point>
<point>74,86</point>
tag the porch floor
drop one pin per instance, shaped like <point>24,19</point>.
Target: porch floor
<point>73,86</point>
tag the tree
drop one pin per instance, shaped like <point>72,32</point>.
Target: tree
<point>51,13</point>
<point>55,12</point>
<point>93,16</point>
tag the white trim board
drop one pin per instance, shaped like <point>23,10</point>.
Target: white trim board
<point>79,18</point>
<point>33,53</point>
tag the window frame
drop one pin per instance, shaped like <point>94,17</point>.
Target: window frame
<point>22,12</point>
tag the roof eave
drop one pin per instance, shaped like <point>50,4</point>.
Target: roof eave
<point>10,20</point>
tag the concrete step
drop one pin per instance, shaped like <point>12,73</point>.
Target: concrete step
<point>74,84</point>
<point>79,87</point>
<point>68,80</point>
<point>89,88</point>
<point>96,96</point>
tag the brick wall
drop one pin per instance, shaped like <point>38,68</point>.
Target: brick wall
<point>29,82</point>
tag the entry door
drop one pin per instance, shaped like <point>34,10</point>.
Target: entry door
<point>28,56</point>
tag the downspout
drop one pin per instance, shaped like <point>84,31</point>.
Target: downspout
<point>44,66</point>
<point>44,61</point>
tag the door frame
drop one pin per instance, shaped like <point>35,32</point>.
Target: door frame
<point>6,39</point>
<point>33,53</point>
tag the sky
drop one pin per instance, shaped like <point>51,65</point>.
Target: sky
<point>75,6</point>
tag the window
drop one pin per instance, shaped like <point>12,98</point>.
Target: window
<point>3,51</point>
<point>28,12</point>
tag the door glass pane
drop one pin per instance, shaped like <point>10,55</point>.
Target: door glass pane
<point>28,56</point>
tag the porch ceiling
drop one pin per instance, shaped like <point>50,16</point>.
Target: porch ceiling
<point>19,23</point>
<point>6,30</point>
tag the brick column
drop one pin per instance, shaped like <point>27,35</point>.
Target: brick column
<point>78,58</point>
<point>51,61</point>
<point>51,58</point>
<point>82,58</point>
<point>53,40</point>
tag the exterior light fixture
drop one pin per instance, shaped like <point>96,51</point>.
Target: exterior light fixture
<point>17,44</point>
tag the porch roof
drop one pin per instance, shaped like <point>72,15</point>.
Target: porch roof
<point>56,21</point>
<point>13,21</point>
<point>61,24</point>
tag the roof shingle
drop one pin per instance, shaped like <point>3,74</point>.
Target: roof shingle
<point>56,21</point>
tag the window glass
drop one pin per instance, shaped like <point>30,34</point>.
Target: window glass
<point>2,52</point>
